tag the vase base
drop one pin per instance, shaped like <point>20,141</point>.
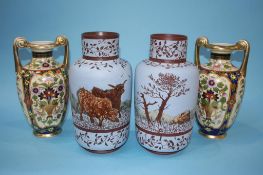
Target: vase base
<point>47,135</point>
<point>161,153</point>
<point>101,151</point>
<point>212,136</point>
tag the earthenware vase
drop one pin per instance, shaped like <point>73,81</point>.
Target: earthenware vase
<point>221,87</point>
<point>43,85</point>
<point>166,87</point>
<point>100,85</point>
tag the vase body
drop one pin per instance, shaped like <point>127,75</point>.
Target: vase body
<point>166,87</point>
<point>43,86</point>
<point>221,89</point>
<point>100,84</point>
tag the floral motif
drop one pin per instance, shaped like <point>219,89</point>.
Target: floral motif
<point>100,47</point>
<point>45,63</point>
<point>44,104</point>
<point>210,95</point>
<point>168,49</point>
<point>219,65</point>
<point>218,100</point>
<point>48,94</point>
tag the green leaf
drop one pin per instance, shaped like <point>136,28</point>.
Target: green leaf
<point>223,100</point>
<point>203,81</point>
<point>204,101</point>
<point>34,97</point>
<point>42,104</point>
<point>215,89</point>
<point>225,88</point>
<point>62,93</point>
<point>205,87</point>
<point>35,84</point>
<point>220,84</point>
<point>60,81</point>
<point>214,104</point>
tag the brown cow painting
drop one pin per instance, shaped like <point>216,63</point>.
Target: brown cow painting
<point>96,107</point>
<point>114,94</point>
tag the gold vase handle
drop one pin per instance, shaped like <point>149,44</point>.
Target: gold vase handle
<point>19,42</point>
<point>63,41</point>
<point>240,45</point>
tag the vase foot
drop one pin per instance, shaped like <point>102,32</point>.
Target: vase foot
<point>101,151</point>
<point>212,136</point>
<point>47,134</point>
<point>161,153</point>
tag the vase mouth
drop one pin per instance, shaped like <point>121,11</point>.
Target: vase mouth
<point>42,46</point>
<point>172,37</point>
<point>223,48</point>
<point>99,35</point>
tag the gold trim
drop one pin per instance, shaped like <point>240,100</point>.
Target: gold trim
<point>52,134</point>
<point>212,136</point>
<point>21,42</point>
<point>241,45</point>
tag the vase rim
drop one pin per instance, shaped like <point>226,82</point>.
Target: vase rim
<point>99,35</point>
<point>172,37</point>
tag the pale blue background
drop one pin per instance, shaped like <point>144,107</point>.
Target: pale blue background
<point>221,21</point>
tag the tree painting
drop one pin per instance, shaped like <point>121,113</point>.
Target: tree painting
<point>163,88</point>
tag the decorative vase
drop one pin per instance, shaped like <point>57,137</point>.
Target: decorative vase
<point>42,85</point>
<point>166,88</point>
<point>221,87</point>
<point>100,85</point>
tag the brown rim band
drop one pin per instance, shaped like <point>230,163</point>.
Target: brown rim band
<point>163,134</point>
<point>173,37</point>
<point>99,35</point>
<point>100,58</point>
<point>168,61</point>
<point>102,131</point>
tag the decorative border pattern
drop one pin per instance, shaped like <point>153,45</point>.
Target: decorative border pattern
<point>102,141</point>
<point>168,49</point>
<point>163,143</point>
<point>100,48</point>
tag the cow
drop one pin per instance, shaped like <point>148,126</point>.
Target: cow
<point>96,107</point>
<point>114,94</point>
<point>182,118</point>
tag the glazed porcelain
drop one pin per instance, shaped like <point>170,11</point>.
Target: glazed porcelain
<point>43,85</point>
<point>166,87</point>
<point>100,84</point>
<point>221,87</point>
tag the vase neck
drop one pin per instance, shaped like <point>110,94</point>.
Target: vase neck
<point>42,54</point>
<point>219,56</point>
<point>42,61</point>
<point>100,45</point>
<point>168,48</point>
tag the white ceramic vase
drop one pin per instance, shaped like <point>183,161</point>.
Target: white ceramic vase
<point>166,88</point>
<point>100,86</point>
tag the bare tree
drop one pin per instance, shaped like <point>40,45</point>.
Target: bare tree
<point>145,106</point>
<point>164,87</point>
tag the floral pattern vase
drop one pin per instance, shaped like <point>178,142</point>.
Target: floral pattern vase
<point>166,87</point>
<point>100,85</point>
<point>221,87</point>
<point>43,85</point>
